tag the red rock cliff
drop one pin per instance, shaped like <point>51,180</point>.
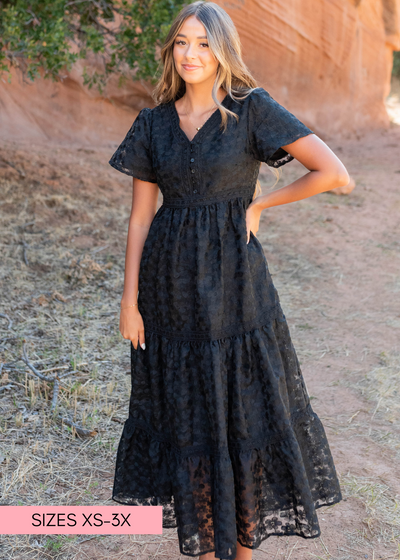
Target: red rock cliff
<point>328,61</point>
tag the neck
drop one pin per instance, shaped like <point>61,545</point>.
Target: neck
<point>199,96</point>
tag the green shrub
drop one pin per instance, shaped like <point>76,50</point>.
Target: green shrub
<point>396,64</point>
<point>36,34</point>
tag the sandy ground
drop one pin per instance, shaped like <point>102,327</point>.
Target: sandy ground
<point>335,262</point>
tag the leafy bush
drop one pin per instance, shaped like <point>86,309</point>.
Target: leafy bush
<point>396,64</point>
<point>125,36</point>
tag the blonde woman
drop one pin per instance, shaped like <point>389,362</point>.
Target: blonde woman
<point>220,430</point>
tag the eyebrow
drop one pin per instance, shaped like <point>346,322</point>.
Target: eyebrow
<point>201,36</point>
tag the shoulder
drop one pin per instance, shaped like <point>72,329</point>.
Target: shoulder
<point>149,117</point>
<point>259,95</point>
<point>144,116</point>
<point>144,121</point>
<point>155,112</point>
<point>261,103</point>
<point>141,122</point>
<point>147,114</point>
<point>256,106</point>
<point>264,109</point>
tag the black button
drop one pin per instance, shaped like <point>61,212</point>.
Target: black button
<point>192,160</point>
<point>192,170</point>
<point>195,191</point>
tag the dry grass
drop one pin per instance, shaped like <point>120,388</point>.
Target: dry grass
<point>381,507</point>
<point>61,302</point>
<point>381,388</point>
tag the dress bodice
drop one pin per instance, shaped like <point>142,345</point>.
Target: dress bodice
<point>215,164</point>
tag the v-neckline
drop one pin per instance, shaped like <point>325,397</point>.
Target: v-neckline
<point>182,133</point>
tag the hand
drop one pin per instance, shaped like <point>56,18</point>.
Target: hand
<point>131,326</point>
<point>253,214</point>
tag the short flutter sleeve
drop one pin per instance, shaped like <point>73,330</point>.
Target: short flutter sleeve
<point>271,126</point>
<point>133,155</point>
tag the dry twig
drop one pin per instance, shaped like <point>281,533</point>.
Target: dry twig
<point>24,255</point>
<point>8,319</point>
<point>78,429</point>
<point>9,386</point>
<point>51,379</point>
<point>56,390</point>
<point>17,169</point>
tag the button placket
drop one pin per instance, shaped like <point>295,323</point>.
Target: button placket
<point>193,170</point>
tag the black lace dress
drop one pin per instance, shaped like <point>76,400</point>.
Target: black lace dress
<point>220,432</point>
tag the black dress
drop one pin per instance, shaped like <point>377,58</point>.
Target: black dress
<point>220,432</point>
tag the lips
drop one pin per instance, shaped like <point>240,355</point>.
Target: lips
<point>190,67</point>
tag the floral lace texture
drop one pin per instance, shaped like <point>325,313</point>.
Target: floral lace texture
<point>220,429</point>
<point>223,436</point>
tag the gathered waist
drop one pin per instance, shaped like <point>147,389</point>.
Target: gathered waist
<point>204,200</point>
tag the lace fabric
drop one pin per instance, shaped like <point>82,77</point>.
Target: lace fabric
<point>248,461</point>
<point>221,431</point>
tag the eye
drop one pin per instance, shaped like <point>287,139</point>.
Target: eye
<point>204,44</point>
<point>179,42</point>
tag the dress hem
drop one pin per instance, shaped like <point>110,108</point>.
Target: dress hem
<point>292,534</point>
<point>168,499</point>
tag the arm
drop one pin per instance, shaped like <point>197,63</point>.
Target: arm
<point>144,205</point>
<point>326,172</point>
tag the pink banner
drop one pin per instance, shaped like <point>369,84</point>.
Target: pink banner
<point>80,520</point>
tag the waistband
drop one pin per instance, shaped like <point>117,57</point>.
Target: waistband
<point>204,200</point>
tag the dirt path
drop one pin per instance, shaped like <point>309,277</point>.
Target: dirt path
<point>335,262</point>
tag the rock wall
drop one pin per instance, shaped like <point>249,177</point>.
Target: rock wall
<point>67,111</point>
<point>328,61</point>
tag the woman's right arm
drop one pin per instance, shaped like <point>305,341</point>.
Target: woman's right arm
<point>144,207</point>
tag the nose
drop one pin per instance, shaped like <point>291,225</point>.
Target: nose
<point>191,51</point>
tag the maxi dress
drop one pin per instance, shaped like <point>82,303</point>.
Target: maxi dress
<point>220,431</point>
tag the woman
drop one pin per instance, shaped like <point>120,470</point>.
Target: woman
<point>220,429</point>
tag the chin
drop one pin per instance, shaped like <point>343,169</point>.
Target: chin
<point>191,80</point>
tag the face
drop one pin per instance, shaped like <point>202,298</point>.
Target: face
<point>194,61</point>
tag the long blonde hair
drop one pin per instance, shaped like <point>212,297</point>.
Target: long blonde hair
<point>232,73</point>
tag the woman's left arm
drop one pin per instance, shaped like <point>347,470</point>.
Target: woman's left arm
<point>326,172</point>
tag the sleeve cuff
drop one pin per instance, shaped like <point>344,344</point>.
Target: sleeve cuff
<point>139,174</point>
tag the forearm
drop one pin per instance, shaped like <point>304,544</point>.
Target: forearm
<point>137,234</point>
<point>311,183</point>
